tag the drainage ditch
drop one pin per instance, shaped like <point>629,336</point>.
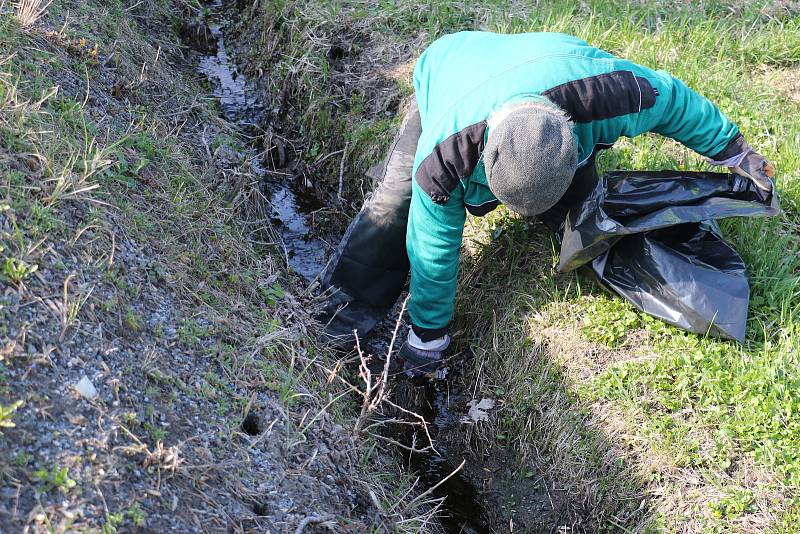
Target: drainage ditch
<point>441,404</point>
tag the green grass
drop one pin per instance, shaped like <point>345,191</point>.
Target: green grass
<point>7,414</point>
<point>706,406</point>
<point>615,408</point>
<point>55,478</point>
<point>132,170</point>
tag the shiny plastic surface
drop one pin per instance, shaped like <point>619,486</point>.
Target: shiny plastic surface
<point>651,238</point>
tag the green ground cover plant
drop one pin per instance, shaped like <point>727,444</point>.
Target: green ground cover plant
<point>634,425</point>
<point>716,411</point>
<point>644,423</point>
<point>644,427</point>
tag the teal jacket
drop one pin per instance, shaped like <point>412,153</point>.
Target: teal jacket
<point>461,79</point>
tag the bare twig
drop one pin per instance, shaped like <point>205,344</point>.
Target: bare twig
<point>322,159</point>
<point>63,29</point>
<point>374,391</point>
<point>166,458</point>
<point>433,488</point>
<point>420,421</point>
<point>134,6</point>
<point>319,161</point>
<point>413,449</point>
<point>312,520</point>
<point>341,172</point>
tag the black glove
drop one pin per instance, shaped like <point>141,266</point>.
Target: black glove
<point>428,361</point>
<point>756,167</point>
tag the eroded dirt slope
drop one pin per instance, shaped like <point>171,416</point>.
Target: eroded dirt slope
<point>156,371</point>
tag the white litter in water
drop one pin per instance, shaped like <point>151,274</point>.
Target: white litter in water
<point>86,388</point>
<point>478,411</point>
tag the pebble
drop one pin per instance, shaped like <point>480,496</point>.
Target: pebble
<point>86,388</point>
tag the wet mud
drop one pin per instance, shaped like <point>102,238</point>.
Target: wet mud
<point>487,495</point>
<point>472,501</point>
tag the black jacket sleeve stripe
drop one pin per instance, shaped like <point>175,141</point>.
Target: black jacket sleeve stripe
<point>588,99</point>
<point>453,159</point>
<point>603,96</point>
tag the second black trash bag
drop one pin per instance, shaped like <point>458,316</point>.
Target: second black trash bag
<point>650,237</point>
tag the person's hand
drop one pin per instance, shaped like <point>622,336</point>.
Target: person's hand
<point>423,359</point>
<point>756,167</point>
<point>748,163</point>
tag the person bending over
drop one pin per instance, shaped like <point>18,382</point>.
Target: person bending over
<point>512,119</point>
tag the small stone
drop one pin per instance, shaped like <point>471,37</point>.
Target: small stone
<point>86,388</point>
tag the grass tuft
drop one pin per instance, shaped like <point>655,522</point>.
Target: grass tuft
<point>28,12</point>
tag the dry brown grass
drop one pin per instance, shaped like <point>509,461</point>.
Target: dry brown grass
<point>341,82</point>
<point>522,351</point>
<point>595,453</point>
<point>678,491</point>
<point>787,82</point>
<point>28,12</point>
<point>185,236</point>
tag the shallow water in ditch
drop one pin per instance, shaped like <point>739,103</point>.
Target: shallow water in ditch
<point>238,102</point>
<point>306,254</point>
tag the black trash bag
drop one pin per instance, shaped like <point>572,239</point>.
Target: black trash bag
<point>651,238</point>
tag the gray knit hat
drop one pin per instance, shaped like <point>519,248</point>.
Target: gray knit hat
<point>530,158</point>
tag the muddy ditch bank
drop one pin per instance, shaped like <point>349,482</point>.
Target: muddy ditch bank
<point>485,494</point>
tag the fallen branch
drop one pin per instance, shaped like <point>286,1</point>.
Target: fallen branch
<point>433,488</point>
<point>374,393</point>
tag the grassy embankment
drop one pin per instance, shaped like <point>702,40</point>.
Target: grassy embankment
<point>623,405</point>
<point>636,422</point>
<point>641,425</point>
<point>136,251</point>
<point>620,406</point>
